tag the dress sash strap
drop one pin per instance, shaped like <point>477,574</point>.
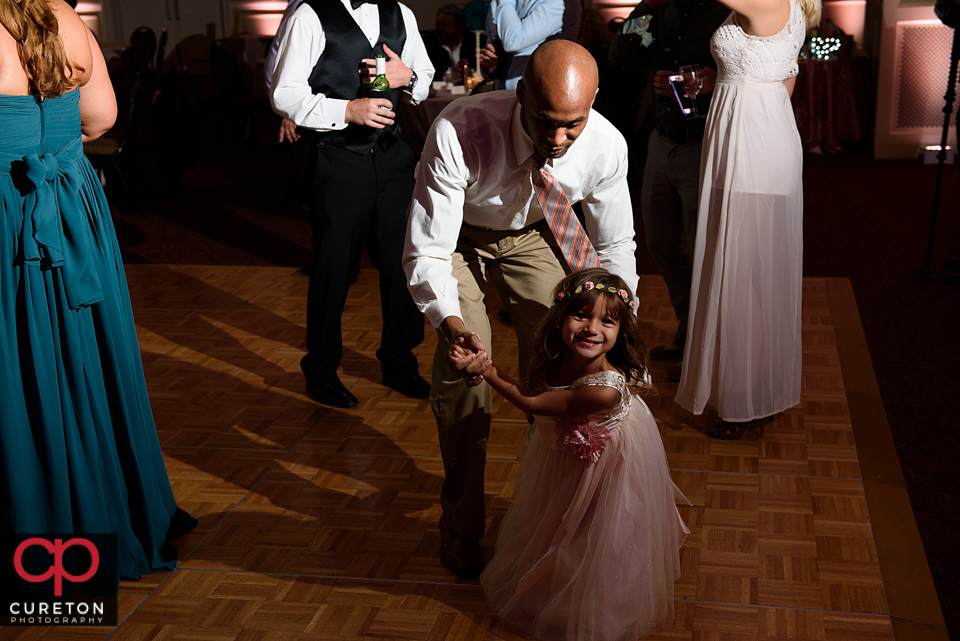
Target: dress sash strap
<point>748,81</point>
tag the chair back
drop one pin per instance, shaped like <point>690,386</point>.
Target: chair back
<point>130,105</point>
<point>226,71</point>
<point>161,51</point>
<point>143,44</point>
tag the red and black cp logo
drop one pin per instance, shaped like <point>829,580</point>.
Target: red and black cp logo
<point>56,571</point>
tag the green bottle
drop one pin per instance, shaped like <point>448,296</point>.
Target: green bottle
<point>380,82</point>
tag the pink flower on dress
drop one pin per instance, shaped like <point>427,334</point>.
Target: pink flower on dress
<point>588,285</point>
<point>585,441</point>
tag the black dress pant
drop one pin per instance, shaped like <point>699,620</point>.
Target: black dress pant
<point>357,201</point>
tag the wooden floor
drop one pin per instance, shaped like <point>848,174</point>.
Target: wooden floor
<point>318,523</point>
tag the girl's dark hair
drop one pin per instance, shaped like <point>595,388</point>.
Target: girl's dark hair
<point>32,24</point>
<point>629,354</point>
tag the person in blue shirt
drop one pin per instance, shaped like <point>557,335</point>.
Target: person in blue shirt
<point>516,27</point>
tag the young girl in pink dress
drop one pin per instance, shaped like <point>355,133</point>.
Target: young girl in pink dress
<point>589,549</point>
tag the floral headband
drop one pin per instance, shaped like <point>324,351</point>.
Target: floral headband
<point>621,293</point>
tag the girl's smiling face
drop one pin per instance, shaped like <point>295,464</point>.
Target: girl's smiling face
<point>591,332</point>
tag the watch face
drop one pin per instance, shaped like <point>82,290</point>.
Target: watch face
<point>413,80</point>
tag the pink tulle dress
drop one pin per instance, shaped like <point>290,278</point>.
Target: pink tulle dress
<point>589,549</point>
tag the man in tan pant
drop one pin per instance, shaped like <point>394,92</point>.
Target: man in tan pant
<point>474,218</point>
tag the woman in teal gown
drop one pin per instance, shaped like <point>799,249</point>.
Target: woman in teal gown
<point>78,446</point>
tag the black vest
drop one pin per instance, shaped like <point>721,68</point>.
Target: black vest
<point>335,74</point>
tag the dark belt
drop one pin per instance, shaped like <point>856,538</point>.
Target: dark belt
<point>321,138</point>
<point>680,134</point>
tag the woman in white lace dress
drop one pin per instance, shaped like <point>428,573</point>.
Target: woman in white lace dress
<point>743,351</point>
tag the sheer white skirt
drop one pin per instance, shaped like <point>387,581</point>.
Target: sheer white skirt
<point>743,350</point>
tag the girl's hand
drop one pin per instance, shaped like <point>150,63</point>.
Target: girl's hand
<point>484,370</point>
<point>462,342</point>
<point>473,366</point>
<point>461,358</point>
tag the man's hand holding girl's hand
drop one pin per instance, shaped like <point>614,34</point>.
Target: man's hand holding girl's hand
<point>473,364</point>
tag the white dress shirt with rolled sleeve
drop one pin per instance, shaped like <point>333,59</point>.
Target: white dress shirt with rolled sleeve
<point>301,41</point>
<point>476,168</point>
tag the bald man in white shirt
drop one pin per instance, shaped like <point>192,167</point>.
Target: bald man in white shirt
<point>362,173</point>
<point>474,218</point>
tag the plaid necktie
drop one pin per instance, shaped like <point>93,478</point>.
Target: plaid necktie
<point>567,230</point>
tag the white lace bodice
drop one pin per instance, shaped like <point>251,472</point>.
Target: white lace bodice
<point>772,59</point>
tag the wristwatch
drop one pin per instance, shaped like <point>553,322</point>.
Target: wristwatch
<point>413,82</point>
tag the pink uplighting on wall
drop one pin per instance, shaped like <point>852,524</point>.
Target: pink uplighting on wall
<point>257,17</point>
<point>264,24</point>
<point>849,15</point>
<point>609,13</point>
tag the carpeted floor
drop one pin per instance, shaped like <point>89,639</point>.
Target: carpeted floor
<point>865,220</point>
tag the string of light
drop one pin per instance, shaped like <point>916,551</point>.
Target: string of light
<point>823,48</point>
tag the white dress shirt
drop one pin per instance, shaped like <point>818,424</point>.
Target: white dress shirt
<point>301,40</point>
<point>523,25</point>
<point>454,53</point>
<point>476,168</point>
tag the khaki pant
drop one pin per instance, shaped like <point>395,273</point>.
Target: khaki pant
<point>524,267</point>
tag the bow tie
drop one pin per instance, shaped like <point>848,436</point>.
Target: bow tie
<point>356,4</point>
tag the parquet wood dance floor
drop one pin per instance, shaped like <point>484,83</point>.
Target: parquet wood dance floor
<point>319,523</point>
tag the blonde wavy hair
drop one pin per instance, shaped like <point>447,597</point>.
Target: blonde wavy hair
<point>811,9</point>
<point>32,24</point>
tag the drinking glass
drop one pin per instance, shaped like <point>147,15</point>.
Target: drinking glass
<point>692,83</point>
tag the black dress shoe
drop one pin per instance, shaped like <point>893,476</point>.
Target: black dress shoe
<point>411,385</point>
<point>460,556</point>
<point>674,373</point>
<point>332,394</point>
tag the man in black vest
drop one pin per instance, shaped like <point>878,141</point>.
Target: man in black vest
<point>363,175</point>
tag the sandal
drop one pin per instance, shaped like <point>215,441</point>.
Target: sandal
<point>730,431</point>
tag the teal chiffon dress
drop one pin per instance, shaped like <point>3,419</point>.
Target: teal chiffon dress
<point>78,446</point>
